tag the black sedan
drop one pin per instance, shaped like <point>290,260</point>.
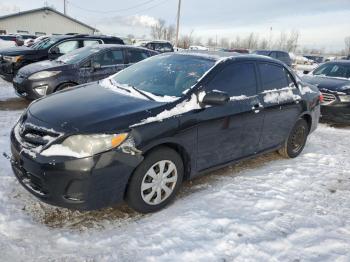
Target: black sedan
<point>80,66</point>
<point>137,135</point>
<point>333,80</point>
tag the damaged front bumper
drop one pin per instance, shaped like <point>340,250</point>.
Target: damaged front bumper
<point>84,184</point>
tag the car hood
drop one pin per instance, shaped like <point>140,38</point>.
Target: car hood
<point>91,108</point>
<point>18,50</point>
<point>43,65</point>
<point>328,83</point>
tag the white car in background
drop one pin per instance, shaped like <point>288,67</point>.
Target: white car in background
<point>198,47</point>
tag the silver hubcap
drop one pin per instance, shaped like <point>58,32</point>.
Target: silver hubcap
<point>159,182</point>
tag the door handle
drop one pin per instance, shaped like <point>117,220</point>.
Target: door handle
<point>256,108</point>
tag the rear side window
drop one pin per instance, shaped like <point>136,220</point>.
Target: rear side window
<point>113,41</point>
<point>68,46</point>
<point>272,77</point>
<point>91,42</point>
<point>135,56</point>
<point>236,80</point>
<point>111,57</point>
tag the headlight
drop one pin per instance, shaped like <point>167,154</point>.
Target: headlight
<point>344,98</point>
<point>85,145</point>
<point>13,59</point>
<point>43,74</point>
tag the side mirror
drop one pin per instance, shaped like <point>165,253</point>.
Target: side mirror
<point>95,66</point>
<point>216,98</point>
<point>55,50</point>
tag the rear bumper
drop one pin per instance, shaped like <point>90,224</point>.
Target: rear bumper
<point>83,184</point>
<point>336,113</point>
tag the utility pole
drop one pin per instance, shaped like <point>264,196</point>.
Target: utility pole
<point>64,7</point>
<point>178,24</point>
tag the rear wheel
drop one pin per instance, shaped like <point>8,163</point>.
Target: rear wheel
<point>155,181</point>
<point>296,141</point>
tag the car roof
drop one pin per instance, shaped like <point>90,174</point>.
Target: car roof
<point>346,62</point>
<point>108,46</point>
<point>84,36</point>
<point>219,55</point>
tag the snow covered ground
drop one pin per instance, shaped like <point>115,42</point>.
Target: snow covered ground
<point>265,209</point>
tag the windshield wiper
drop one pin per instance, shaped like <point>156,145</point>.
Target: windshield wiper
<point>142,93</point>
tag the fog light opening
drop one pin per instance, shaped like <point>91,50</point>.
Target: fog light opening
<point>41,90</point>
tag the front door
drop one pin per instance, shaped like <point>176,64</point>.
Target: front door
<point>231,131</point>
<point>108,63</point>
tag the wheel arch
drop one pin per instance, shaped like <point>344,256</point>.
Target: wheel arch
<point>308,118</point>
<point>177,147</point>
<point>63,83</point>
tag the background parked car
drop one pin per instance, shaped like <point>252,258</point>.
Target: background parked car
<point>49,48</point>
<point>316,58</point>
<point>6,44</point>
<point>279,55</point>
<point>80,66</point>
<point>333,80</point>
<point>139,134</point>
<point>157,45</point>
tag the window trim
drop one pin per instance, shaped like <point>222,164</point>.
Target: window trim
<point>260,90</point>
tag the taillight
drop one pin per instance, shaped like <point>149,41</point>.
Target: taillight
<point>321,98</point>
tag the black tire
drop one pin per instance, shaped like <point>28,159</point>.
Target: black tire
<point>64,86</point>
<point>296,141</point>
<point>134,196</point>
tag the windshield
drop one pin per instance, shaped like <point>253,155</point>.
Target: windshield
<point>45,43</point>
<point>165,75</point>
<point>333,70</point>
<point>78,55</point>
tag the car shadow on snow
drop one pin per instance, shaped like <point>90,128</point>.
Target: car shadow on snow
<point>121,214</point>
<point>12,104</point>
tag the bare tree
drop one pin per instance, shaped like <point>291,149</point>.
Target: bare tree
<point>281,41</point>
<point>224,43</point>
<point>210,42</point>
<point>198,41</point>
<point>186,41</point>
<point>157,30</point>
<point>292,41</point>
<point>264,44</point>
<point>347,45</point>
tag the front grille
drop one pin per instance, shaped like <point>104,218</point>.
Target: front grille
<point>328,98</point>
<point>34,137</point>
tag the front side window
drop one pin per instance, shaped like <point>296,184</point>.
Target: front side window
<point>45,43</point>
<point>235,80</point>
<point>135,56</point>
<point>109,58</point>
<point>165,75</point>
<point>78,55</point>
<point>67,46</point>
<point>272,76</point>
<point>333,70</point>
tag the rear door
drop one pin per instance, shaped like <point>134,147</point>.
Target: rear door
<point>231,131</point>
<point>280,99</point>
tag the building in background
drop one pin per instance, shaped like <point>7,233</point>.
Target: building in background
<point>43,21</point>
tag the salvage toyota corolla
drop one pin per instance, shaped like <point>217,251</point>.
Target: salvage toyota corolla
<point>137,135</point>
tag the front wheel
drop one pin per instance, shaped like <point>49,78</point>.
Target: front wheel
<point>64,86</point>
<point>155,181</point>
<point>296,140</point>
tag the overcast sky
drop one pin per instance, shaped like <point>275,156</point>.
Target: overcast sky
<point>321,23</point>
